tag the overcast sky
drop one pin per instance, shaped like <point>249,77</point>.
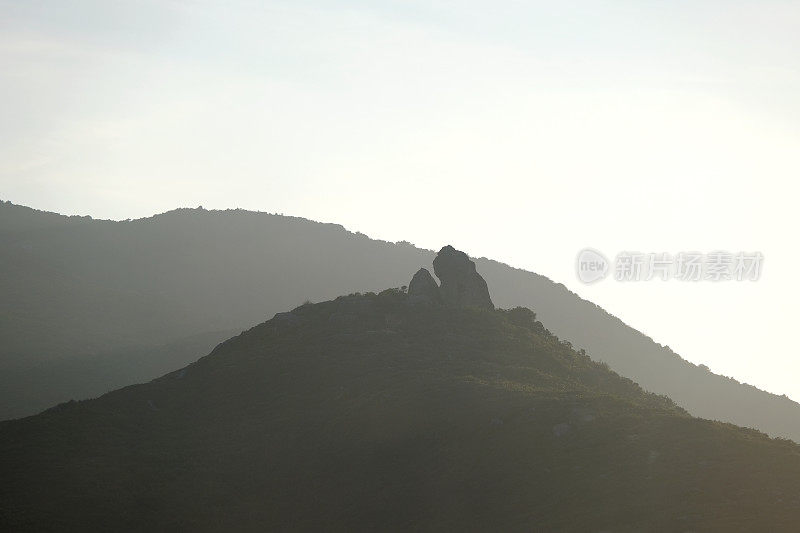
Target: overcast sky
<point>520,131</point>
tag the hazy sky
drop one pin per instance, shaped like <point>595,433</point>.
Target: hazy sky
<point>520,131</point>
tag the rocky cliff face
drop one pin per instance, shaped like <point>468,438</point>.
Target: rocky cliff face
<point>461,286</point>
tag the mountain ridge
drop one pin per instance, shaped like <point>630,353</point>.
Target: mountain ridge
<point>251,265</point>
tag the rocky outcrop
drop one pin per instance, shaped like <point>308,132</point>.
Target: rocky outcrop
<point>462,286</point>
<point>423,288</point>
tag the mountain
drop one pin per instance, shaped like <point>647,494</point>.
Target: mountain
<point>79,291</point>
<point>392,411</point>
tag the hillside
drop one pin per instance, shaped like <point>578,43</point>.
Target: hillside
<point>111,291</point>
<point>380,411</point>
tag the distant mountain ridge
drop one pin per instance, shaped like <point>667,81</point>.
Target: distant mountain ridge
<point>101,287</point>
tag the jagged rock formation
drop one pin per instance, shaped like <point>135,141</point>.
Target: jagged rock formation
<point>461,284</point>
<point>423,288</point>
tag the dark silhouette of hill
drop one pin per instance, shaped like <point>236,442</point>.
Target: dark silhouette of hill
<point>78,290</point>
<point>382,412</point>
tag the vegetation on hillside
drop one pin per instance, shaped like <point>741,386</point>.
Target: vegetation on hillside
<point>369,412</point>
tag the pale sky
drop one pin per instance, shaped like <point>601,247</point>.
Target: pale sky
<point>519,131</point>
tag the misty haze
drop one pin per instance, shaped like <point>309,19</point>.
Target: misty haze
<point>303,266</point>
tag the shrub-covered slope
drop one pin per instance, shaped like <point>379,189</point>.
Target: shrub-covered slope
<point>372,412</point>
